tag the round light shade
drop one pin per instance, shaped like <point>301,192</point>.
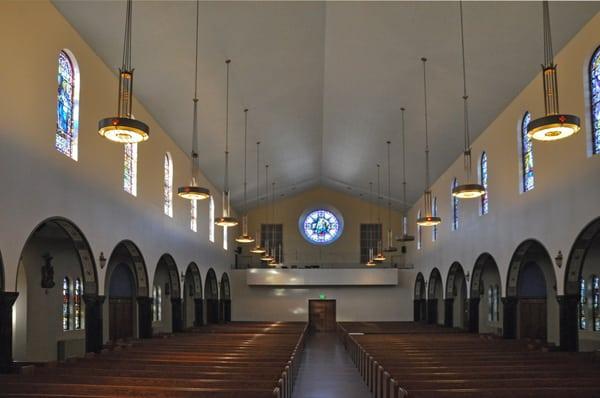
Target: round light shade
<point>258,249</point>
<point>379,258</point>
<point>405,238</point>
<point>429,221</point>
<point>123,130</point>
<point>192,192</point>
<point>553,127</point>
<point>245,238</point>
<point>266,257</point>
<point>226,221</point>
<point>371,263</point>
<point>468,191</point>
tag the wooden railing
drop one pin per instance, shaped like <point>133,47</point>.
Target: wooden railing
<point>285,385</point>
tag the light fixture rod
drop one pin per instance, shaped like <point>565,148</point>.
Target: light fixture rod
<point>195,165</point>
<point>226,185</point>
<point>424,60</point>
<point>245,158</point>
<point>467,137</point>
<point>127,39</point>
<point>404,206</point>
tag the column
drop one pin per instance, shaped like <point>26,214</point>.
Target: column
<point>569,322</point>
<point>449,312</point>
<point>144,317</point>
<point>509,330</point>
<point>198,312</point>
<point>7,299</point>
<point>474,315</point>
<point>93,322</point>
<point>176,315</point>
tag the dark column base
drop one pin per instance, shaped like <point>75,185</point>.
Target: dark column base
<point>227,310</point>
<point>449,312</point>
<point>416,310</point>
<point>509,329</point>
<point>198,312</point>
<point>93,322</point>
<point>144,317</point>
<point>569,322</point>
<point>176,315</point>
<point>473,315</point>
<point>7,299</point>
<point>432,311</point>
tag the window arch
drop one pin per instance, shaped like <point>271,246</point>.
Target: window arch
<point>483,180</point>
<point>419,233</point>
<point>455,208</point>
<point>594,87</point>
<point>66,306</point>
<point>211,220</point>
<point>67,105</point>
<point>527,175</point>
<point>168,185</point>
<point>130,169</point>
<point>434,212</point>
<point>77,296</point>
<point>194,216</point>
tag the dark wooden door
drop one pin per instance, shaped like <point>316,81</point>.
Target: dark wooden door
<point>532,318</point>
<point>321,315</point>
<point>120,318</point>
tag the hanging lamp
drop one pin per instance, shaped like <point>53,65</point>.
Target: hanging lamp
<point>469,189</point>
<point>273,250</point>
<point>258,249</point>
<point>390,235</point>
<point>266,256</point>
<point>123,128</point>
<point>226,220</point>
<point>554,125</point>
<point>428,220</point>
<point>379,257</point>
<point>370,261</point>
<point>405,236</point>
<point>245,237</point>
<point>193,191</point>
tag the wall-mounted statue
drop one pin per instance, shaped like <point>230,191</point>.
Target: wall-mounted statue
<point>47,272</point>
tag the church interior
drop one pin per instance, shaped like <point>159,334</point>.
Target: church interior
<point>300,199</point>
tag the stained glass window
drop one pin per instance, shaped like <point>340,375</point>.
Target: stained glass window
<point>582,304</point>
<point>130,169</point>
<point>526,155</point>
<point>67,106</point>
<point>490,299</point>
<point>66,310</point>
<point>211,219</point>
<point>225,239</point>
<point>496,303</point>
<point>594,75</point>
<point>77,294</point>
<point>455,209</point>
<point>321,227</point>
<point>596,302</point>
<point>194,215</point>
<point>434,212</point>
<point>168,185</point>
<point>156,304</point>
<point>483,176</point>
<point>419,233</point>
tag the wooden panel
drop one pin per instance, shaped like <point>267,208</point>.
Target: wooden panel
<point>532,319</point>
<point>321,315</point>
<point>121,318</point>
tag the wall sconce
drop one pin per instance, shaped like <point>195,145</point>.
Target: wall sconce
<point>559,259</point>
<point>102,260</point>
<point>468,277</point>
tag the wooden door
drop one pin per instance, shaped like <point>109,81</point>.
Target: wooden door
<point>532,319</point>
<point>120,318</point>
<point>321,315</point>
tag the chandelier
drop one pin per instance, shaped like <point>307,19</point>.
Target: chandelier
<point>405,236</point>
<point>257,249</point>
<point>390,235</point>
<point>245,237</point>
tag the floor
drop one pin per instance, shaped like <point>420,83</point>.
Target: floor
<point>326,371</point>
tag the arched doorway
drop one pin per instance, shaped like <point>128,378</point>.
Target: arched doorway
<point>485,303</point>
<point>129,310</point>
<point>211,297</point>
<point>435,298</point>
<point>166,297</point>
<point>419,302</point>
<point>58,303</point>
<point>225,299</point>
<point>531,308</point>
<point>192,297</point>
<point>456,297</point>
<point>579,319</point>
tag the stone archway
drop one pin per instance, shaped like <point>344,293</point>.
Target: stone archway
<point>420,299</point>
<point>211,297</point>
<point>435,298</point>
<point>193,304</point>
<point>225,299</point>
<point>455,303</point>
<point>166,282</point>
<point>485,315</point>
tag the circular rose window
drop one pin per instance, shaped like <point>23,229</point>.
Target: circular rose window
<point>321,226</point>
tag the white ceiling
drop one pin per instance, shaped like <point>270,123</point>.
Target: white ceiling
<point>324,81</point>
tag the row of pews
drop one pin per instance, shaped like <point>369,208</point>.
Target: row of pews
<point>407,359</point>
<point>249,360</point>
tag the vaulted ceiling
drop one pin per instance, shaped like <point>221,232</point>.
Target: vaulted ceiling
<point>324,81</point>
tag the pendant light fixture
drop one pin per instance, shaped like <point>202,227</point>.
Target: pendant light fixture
<point>123,128</point>
<point>258,249</point>
<point>245,237</point>
<point>390,235</point>
<point>469,189</point>
<point>266,256</point>
<point>405,236</point>
<point>370,261</point>
<point>554,125</point>
<point>379,257</point>
<point>428,220</point>
<point>193,191</point>
<point>274,250</point>
<point>226,220</point>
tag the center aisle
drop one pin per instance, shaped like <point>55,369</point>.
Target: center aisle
<point>326,371</point>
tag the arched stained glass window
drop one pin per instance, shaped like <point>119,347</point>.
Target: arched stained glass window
<point>77,295</point>
<point>455,209</point>
<point>434,212</point>
<point>496,303</point>
<point>211,219</point>
<point>225,239</point>
<point>419,233</point>
<point>582,304</point>
<point>130,169</point>
<point>594,84</point>
<point>490,300</point>
<point>156,304</point>
<point>66,306</point>
<point>596,302</point>
<point>483,177</point>
<point>67,105</point>
<point>168,185</point>
<point>194,215</point>
<point>527,174</point>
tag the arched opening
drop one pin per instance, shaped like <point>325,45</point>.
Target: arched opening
<point>192,297</point>
<point>485,304</point>
<point>211,297</point>
<point>53,318</point>
<point>129,310</point>
<point>225,299</point>
<point>435,298</point>
<point>456,298</point>
<point>166,297</point>
<point>531,308</point>
<point>580,305</point>
<point>420,299</point>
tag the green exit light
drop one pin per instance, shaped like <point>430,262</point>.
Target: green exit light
<point>322,296</point>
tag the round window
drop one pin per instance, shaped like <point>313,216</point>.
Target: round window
<point>321,226</point>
